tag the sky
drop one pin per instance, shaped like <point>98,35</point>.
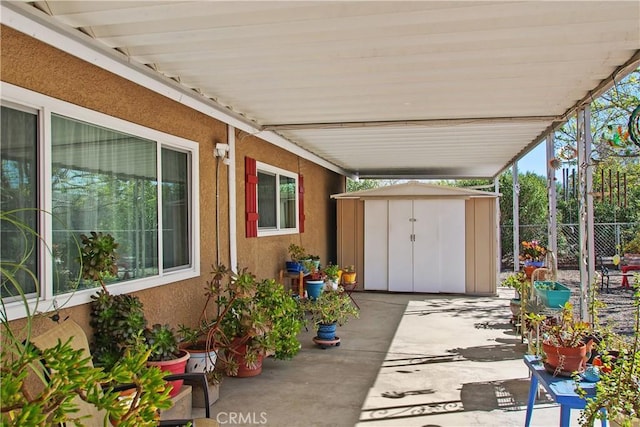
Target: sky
<point>535,161</point>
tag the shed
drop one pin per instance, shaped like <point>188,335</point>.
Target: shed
<point>419,237</point>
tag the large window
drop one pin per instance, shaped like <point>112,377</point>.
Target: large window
<point>277,200</point>
<point>98,174</point>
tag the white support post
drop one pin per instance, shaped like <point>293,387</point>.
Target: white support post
<point>585,202</point>
<point>552,223</point>
<point>516,218</point>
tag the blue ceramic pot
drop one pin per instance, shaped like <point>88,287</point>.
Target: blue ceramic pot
<point>327,332</point>
<point>293,266</point>
<point>534,263</point>
<point>314,288</point>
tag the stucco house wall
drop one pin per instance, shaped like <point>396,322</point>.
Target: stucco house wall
<point>39,67</point>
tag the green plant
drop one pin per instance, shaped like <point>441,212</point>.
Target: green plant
<point>260,315</point>
<point>118,323</point>
<point>70,380</point>
<point>286,315</point>
<point>516,281</point>
<point>332,306</point>
<point>296,253</point>
<point>162,342</point>
<point>633,246</point>
<point>349,269</point>
<point>331,271</point>
<point>98,257</point>
<point>618,390</point>
<point>566,330</point>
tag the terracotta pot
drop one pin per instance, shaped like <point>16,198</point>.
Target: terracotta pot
<point>566,359</point>
<point>174,366</point>
<point>528,270</point>
<point>245,371</point>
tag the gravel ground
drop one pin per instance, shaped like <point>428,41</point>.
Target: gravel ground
<point>619,310</point>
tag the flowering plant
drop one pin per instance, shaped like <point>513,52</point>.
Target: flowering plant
<point>532,251</point>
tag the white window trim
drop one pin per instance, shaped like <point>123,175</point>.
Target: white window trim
<point>46,105</point>
<point>264,167</point>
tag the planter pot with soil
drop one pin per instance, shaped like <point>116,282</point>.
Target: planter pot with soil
<point>174,366</point>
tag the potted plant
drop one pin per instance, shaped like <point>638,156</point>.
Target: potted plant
<point>533,254</point>
<point>332,273</point>
<point>565,341</point>
<point>552,294</point>
<point>72,383</point>
<point>330,309</point>
<point>314,282</point>
<point>349,275</point>
<point>518,281</point>
<point>296,255</point>
<point>315,259</point>
<point>618,387</point>
<point>251,320</point>
<point>165,354</point>
<point>286,316</point>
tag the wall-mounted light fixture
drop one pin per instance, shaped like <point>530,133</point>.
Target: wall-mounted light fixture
<point>221,150</point>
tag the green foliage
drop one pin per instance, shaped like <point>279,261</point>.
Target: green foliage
<point>260,315</point>
<point>118,323</point>
<point>362,184</point>
<point>618,390</point>
<point>633,246</point>
<point>71,379</point>
<point>332,306</point>
<point>331,271</point>
<point>296,253</point>
<point>163,343</point>
<point>567,331</point>
<point>286,315</point>
<point>98,257</point>
<point>516,281</point>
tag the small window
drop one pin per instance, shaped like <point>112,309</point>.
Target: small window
<point>277,200</point>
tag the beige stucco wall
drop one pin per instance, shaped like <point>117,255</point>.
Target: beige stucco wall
<point>265,256</point>
<point>34,65</point>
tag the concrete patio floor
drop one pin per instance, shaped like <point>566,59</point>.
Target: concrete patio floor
<point>410,360</point>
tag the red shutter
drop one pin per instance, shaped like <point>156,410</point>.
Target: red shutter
<point>251,196</point>
<point>301,203</point>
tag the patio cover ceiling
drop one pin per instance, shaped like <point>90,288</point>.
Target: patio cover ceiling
<point>412,89</point>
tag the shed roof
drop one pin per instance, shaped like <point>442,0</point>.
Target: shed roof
<point>416,190</point>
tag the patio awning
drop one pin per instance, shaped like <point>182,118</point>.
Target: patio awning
<point>422,89</point>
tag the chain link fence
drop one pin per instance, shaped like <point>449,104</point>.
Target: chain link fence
<point>610,238</point>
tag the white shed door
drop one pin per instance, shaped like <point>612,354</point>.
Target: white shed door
<point>375,245</point>
<point>439,246</point>
<point>401,220</point>
<point>426,250</point>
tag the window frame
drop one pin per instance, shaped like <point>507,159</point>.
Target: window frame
<point>277,172</point>
<point>19,98</point>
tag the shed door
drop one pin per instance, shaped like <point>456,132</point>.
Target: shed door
<point>439,246</point>
<point>401,220</point>
<point>375,245</point>
<point>427,259</point>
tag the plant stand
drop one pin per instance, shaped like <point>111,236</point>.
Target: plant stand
<point>324,344</point>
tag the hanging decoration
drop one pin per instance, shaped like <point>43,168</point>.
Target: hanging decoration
<point>634,126</point>
<point>568,152</point>
<point>620,140</point>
